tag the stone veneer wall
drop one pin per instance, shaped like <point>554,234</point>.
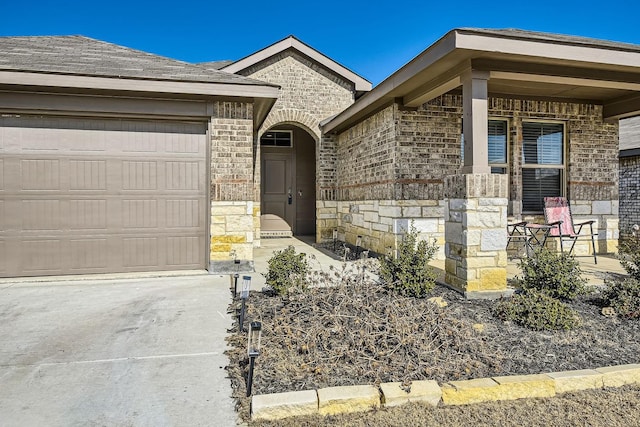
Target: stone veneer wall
<point>402,155</point>
<point>382,223</point>
<point>232,175</point>
<point>629,194</point>
<point>476,220</point>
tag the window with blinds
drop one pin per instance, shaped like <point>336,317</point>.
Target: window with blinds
<point>542,163</point>
<point>497,130</point>
<point>498,146</point>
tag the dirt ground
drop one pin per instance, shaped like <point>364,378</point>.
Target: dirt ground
<point>355,332</point>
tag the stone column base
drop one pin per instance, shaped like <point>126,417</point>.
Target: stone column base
<point>476,234</point>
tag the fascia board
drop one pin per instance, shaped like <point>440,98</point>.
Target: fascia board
<point>564,52</point>
<point>135,85</point>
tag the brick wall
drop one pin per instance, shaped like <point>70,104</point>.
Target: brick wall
<point>629,194</point>
<point>232,226</point>
<point>366,154</point>
<point>308,91</point>
<point>232,151</point>
<point>400,154</point>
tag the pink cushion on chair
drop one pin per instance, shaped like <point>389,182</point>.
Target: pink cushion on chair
<point>557,209</point>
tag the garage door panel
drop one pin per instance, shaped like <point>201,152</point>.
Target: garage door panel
<point>42,256</point>
<point>88,254</point>
<point>104,195</point>
<point>140,251</point>
<point>87,175</point>
<point>87,214</point>
<point>41,215</point>
<point>182,175</point>
<point>184,213</point>
<point>40,174</point>
<point>182,250</point>
<point>139,175</point>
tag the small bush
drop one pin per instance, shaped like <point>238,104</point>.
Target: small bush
<point>287,271</point>
<point>537,310</point>
<point>629,255</point>
<point>410,273</point>
<point>556,274</point>
<point>624,297</point>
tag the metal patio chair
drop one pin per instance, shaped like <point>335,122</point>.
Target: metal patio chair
<point>557,211</point>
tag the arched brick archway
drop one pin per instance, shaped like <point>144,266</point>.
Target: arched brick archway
<point>299,118</point>
<point>288,174</point>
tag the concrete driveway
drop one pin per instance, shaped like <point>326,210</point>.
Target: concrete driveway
<point>122,352</point>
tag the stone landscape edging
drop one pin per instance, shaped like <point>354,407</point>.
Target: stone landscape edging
<point>335,400</point>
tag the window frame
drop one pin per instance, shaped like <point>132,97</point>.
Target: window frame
<point>290,132</point>
<point>506,165</point>
<point>562,167</point>
<point>507,169</point>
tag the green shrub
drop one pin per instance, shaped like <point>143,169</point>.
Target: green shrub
<point>410,273</point>
<point>287,271</point>
<point>556,274</point>
<point>537,310</point>
<point>624,297</point>
<point>629,255</point>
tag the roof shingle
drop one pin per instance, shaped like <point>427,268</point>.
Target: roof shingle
<point>79,55</point>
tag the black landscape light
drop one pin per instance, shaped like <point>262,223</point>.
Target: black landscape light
<point>235,285</point>
<point>358,244</point>
<point>253,350</point>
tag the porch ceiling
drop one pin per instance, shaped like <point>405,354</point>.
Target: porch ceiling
<point>522,64</point>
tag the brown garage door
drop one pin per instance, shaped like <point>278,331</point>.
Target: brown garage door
<point>101,195</point>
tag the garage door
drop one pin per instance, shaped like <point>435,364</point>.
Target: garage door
<point>101,195</point>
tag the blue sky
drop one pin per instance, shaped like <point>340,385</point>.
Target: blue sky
<point>372,38</point>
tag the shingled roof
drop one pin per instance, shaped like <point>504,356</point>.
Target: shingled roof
<point>79,55</point>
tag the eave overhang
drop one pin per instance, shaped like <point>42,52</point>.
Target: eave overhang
<point>526,65</point>
<point>262,96</point>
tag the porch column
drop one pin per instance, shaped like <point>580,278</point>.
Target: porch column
<point>475,122</point>
<point>476,234</point>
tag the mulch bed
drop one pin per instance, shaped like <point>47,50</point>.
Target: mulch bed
<point>356,332</point>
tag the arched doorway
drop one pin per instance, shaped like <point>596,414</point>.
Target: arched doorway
<point>288,177</point>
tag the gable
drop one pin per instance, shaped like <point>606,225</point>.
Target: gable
<point>305,86</point>
<point>360,84</point>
